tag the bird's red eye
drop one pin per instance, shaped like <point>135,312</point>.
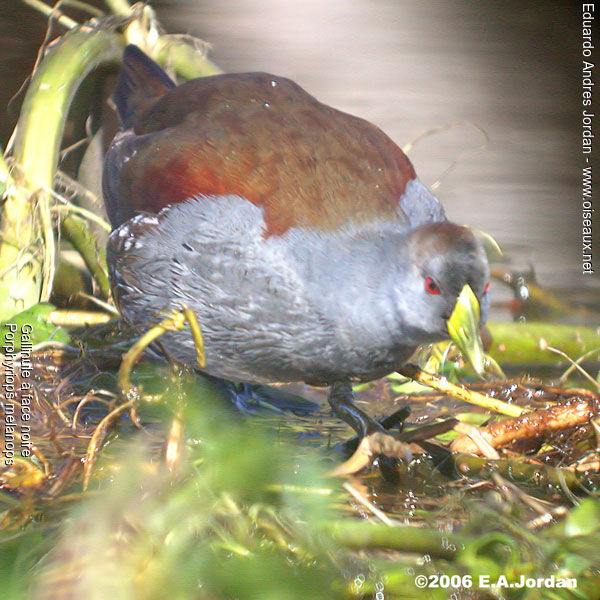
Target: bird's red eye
<point>431,286</point>
<point>487,287</point>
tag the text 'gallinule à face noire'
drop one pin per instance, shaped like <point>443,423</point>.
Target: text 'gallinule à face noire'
<point>298,234</point>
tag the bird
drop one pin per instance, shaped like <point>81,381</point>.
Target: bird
<point>299,235</point>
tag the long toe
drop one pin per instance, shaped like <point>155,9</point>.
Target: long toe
<point>372,445</point>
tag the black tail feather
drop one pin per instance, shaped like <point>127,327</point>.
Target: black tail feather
<point>140,80</point>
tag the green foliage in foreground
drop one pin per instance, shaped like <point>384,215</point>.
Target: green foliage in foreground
<point>243,516</point>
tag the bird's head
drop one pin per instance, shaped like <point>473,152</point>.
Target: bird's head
<point>445,291</point>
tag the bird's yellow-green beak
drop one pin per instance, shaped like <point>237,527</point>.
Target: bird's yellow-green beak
<point>463,327</point>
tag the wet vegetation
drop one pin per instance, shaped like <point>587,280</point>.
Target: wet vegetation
<point>138,479</point>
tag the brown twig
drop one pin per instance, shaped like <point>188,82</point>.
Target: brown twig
<point>98,437</point>
<point>575,411</point>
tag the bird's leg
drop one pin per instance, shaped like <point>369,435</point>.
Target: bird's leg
<point>397,418</point>
<point>341,400</point>
<point>374,439</point>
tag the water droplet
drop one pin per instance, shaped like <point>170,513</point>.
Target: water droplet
<point>273,83</point>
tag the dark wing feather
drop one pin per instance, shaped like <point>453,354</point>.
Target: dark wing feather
<point>258,136</point>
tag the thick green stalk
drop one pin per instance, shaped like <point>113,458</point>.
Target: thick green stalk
<point>25,217</point>
<point>360,535</point>
<point>526,344</point>
<point>53,11</point>
<point>94,256</point>
<point>183,57</point>
<point>119,7</point>
<point>27,242</point>
<point>46,105</point>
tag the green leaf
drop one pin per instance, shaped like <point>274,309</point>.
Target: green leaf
<point>32,326</point>
<point>583,520</point>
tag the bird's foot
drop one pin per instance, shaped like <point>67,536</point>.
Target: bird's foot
<point>396,419</point>
<point>373,439</point>
<point>378,443</point>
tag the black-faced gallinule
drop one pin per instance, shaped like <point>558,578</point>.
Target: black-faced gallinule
<point>299,235</point>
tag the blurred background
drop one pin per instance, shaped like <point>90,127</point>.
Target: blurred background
<point>510,69</point>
